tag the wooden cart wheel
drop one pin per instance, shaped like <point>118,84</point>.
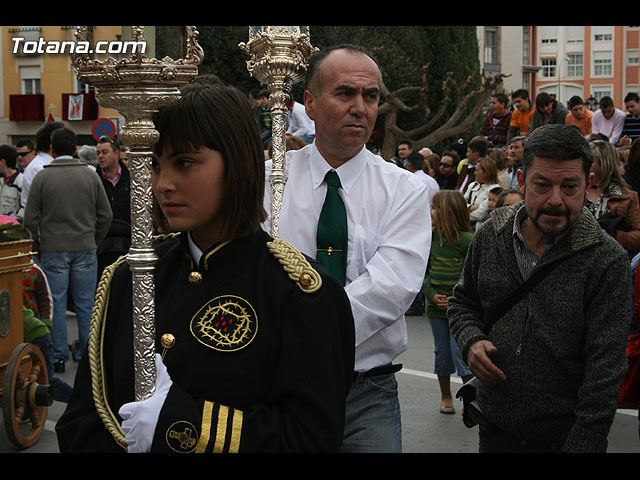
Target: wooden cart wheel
<point>26,395</point>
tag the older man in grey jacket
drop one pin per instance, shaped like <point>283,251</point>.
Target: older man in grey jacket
<point>68,214</point>
<point>549,370</point>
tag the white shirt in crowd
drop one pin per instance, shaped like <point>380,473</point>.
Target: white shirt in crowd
<point>37,164</point>
<point>430,182</point>
<point>611,127</point>
<point>299,122</point>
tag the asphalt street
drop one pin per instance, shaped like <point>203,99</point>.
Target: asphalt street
<point>425,429</point>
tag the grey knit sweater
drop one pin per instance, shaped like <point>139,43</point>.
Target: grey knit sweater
<point>67,209</point>
<point>562,347</point>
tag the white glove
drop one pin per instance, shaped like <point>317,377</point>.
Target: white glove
<point>140,418</point>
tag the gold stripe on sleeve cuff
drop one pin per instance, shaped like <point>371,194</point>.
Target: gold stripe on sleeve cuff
<point>227,423</point>
<point>207,413</point>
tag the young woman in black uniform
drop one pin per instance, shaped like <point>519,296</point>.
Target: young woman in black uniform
<point>254,340</point>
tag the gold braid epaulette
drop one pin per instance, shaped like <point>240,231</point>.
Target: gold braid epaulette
<point>95,342</point>
<point>296,265</point>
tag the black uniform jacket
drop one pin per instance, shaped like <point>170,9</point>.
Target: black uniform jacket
<point>258,364</point>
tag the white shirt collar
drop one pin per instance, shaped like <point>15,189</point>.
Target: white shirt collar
<point>196,253</point>
<point>348,172</point>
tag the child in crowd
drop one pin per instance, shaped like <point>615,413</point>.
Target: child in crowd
<point>511,196</point>
<point>492,198</point>
<point>450,240</point>
<point>494,193</point>
<point>36,313</point>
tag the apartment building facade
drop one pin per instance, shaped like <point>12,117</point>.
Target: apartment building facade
<point>587,61</point>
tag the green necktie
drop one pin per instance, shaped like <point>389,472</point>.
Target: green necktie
<point>332,231</point>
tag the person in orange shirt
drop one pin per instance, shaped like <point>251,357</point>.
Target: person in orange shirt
<point>521,117</point>
<point>579,115</point>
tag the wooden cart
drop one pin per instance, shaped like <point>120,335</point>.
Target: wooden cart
<point>24,380</point>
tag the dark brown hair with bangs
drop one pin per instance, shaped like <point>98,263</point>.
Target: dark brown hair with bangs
<point>219,117</point>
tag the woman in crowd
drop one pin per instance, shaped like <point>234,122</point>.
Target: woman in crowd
<point>499,156</point>
<point>610,199</point>
<point>256,340</point>
<point>477,195</point>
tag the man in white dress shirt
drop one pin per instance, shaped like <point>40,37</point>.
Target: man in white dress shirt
<point>43,146</point>
<point>300,124</point>
<point>608,120</point>
<point>389,233</point>
<point>415,164</point>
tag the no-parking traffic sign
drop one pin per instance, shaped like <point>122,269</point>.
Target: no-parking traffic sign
<point>103,127</point>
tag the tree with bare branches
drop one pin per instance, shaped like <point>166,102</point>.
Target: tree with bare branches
<point>437,127</point>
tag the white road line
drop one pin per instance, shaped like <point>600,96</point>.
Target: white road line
<point>418,373</point>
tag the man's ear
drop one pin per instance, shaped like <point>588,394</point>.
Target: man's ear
<point>309,104</point>
<point>520,176</point>
<point>590,179</point>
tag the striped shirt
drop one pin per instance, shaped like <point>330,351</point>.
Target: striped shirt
<point>444,269</point>
<point>631,127</point>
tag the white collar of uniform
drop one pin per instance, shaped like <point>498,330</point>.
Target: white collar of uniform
<point>196,253</point>
<point>348,172</point>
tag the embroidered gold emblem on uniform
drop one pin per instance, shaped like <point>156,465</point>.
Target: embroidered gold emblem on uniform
<point>226,323</point>
<point>182,437</point>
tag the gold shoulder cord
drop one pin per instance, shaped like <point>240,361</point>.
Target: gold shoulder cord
<point>296,265</point>
<point>95,345</point>
<point>96,364</point>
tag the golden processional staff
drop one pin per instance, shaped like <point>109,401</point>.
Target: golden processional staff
<point>279,58</point>
<point>138,86</point>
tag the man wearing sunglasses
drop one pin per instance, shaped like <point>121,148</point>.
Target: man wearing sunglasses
<point>448,172</point>
<point>26,152</point>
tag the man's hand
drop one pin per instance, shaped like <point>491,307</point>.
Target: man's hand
<point>481,365</point>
